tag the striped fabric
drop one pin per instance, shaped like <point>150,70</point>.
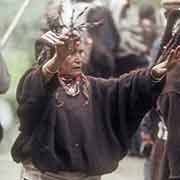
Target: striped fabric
<point>29,172</point>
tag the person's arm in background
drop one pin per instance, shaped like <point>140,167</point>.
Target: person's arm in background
<point>4,76</point>
<point>149,124</point>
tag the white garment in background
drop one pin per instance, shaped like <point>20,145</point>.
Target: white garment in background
<point>68,7</point>
<point>116,7</point>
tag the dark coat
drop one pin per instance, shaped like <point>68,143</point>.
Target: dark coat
<point>169,102</point>
<point>73,137</point>
<point>169,105</point>
<point>159,161</point>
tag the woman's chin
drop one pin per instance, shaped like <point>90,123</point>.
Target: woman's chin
<point>76,73</point>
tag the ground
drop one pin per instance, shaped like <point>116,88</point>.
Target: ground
<point>129,169</point>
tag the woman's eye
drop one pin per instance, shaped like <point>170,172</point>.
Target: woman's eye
<point>81,52</point>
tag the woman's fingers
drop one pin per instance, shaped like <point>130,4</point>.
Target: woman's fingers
<point>55,36</point>
<point>172,60</point>
<point>54,39</point>
<point>50,40</point>
<point>174,57</point>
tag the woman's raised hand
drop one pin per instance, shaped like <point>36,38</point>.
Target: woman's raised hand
<point>162,68</point>
<point>58,42</point>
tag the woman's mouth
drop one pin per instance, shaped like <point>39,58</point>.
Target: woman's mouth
<point>77,67</point>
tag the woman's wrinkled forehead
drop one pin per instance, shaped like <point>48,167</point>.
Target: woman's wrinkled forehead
<point>80,40</point>
<point>83,37</point>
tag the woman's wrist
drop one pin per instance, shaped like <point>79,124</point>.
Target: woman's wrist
<point>51,67</point>
<point>156,76</point>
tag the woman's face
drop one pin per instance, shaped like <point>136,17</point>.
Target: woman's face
<point>73,63</point>
<point>148,28</point>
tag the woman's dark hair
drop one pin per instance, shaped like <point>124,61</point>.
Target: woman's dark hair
<point>106,34</point>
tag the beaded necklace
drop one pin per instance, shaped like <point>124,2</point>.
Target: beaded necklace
<point>70,85</point>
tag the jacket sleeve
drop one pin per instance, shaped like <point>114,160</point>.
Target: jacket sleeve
<point>33,95</point>
<point>169,106</point>
<point>137,93</point>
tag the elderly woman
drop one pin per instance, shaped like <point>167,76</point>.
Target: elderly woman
<point>74,126</point>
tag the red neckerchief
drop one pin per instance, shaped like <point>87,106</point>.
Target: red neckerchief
<point>68,79</point>
<point>70,84</point>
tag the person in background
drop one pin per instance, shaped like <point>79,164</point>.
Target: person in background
<point>104,45</point>
<point>138,39</point>
<point>148,133</point>
<point>136,42</point>
<point>168,144</point>
<point>119,11</point>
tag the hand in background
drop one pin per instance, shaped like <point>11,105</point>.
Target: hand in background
<point>162,68</point>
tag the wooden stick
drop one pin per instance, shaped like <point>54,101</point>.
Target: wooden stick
<point>14,24</point>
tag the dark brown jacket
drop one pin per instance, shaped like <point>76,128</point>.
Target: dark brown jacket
<point>72,136</point>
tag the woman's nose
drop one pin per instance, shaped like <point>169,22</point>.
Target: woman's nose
<point>77,59</point>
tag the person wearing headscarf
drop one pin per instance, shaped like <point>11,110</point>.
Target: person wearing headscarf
<point>165,152</point>
<point>168,144</point>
